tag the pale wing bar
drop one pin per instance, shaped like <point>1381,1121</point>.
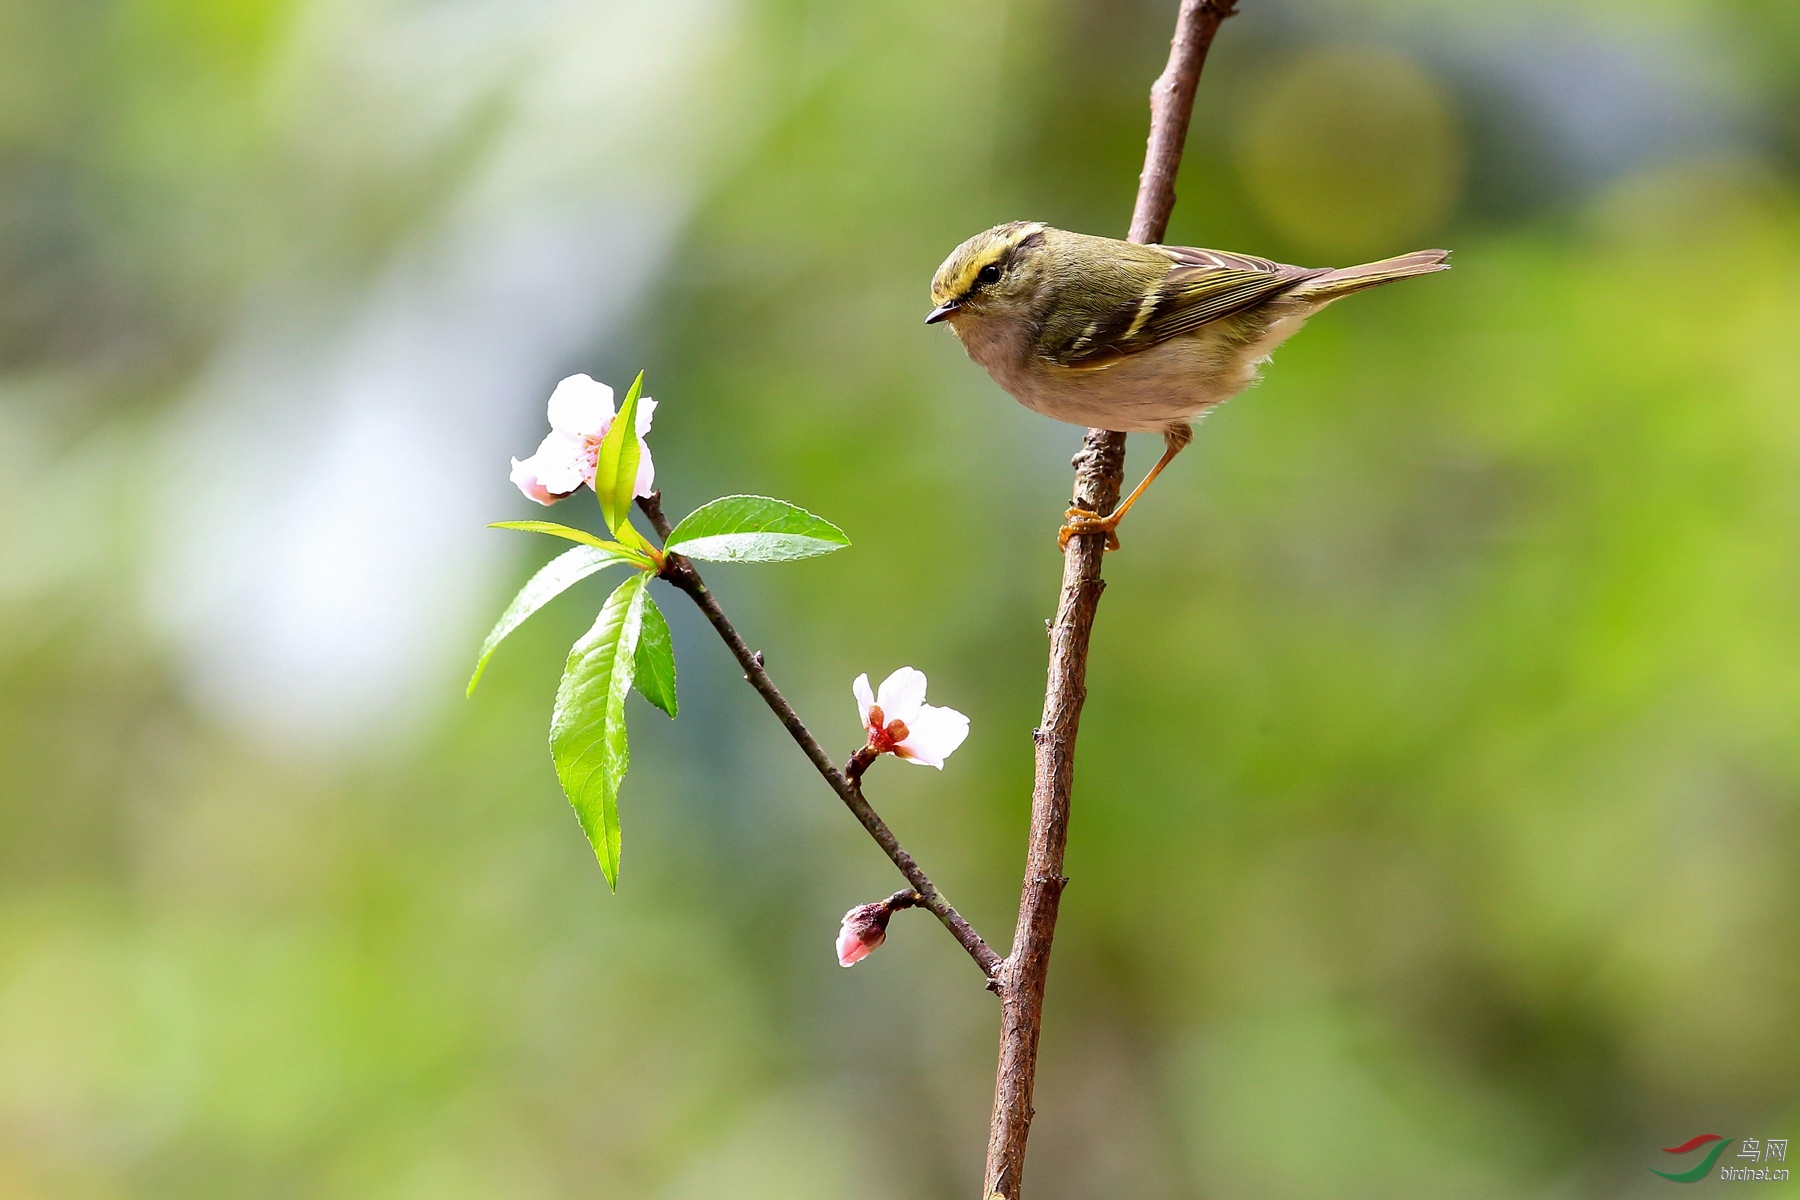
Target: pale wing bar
<point>1201,286</point>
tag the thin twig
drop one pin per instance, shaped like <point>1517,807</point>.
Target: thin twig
<point>1099,469</point>
<point>680,572</point>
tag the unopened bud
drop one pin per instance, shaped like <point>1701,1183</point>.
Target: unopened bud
<point>864,928</point>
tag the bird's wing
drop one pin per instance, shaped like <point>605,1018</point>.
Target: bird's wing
<point>1200,286</point>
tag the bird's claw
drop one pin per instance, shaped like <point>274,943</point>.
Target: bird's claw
<point>1082,521</point>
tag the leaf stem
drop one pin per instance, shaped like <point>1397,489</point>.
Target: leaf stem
<point>680,572</point>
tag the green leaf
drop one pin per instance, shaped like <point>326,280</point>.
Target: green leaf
<point>753,529</point>
<point>629,555</point>
<point>655,667</point>
<point>556,577</point>
<point>587,728</point>
<point>636,541</point>
<point>616,468</point>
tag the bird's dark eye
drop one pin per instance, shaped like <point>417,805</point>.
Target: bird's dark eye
<point>988,274</point>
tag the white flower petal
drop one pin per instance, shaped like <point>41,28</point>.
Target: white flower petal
<point>907,752</point>
<point>901,694</point>
<point>530,484</point>
<point>561,464</point>
<point>933,735</point>
<point>646,410</point>
<point>865,698</point>
<point>581,406</point>
<point>646,476</point>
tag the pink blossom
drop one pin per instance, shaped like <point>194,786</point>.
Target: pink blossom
<point>864,928</point>
<point>899,721</point>
<point>581,412</point>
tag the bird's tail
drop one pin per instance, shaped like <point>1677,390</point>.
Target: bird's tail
<point>1334,285</point>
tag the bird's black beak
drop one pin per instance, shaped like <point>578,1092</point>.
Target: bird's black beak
<point>941,311</point>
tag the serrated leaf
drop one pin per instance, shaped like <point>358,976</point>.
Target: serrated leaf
<point>753,529</point>
<point>630,555</point>
<point>616,466</point>
<point>655,678</point>
<point>552,580</point>
<point>587,728</point>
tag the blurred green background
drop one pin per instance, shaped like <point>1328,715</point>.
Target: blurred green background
<point>1437,816</point>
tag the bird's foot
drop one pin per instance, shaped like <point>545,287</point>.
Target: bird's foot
<point>1082,521</point>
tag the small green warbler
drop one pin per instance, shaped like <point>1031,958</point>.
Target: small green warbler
<point>1139,339</point>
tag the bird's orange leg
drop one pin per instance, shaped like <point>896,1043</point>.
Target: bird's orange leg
<point>1081,521</point>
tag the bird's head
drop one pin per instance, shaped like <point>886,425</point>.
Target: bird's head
<point>997,272</point>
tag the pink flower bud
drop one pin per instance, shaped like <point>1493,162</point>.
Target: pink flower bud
<point>864,928</point>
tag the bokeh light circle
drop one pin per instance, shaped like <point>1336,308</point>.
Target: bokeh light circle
<point>1353,152</point>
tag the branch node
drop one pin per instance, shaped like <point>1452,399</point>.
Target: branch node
<point>860,762</point>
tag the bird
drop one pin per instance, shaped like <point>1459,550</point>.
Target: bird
<point>1128,337</point>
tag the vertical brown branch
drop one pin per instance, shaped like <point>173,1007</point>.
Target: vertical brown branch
<point>1099,470</point>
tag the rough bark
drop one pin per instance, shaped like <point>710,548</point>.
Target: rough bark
<point>1099,471</point>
